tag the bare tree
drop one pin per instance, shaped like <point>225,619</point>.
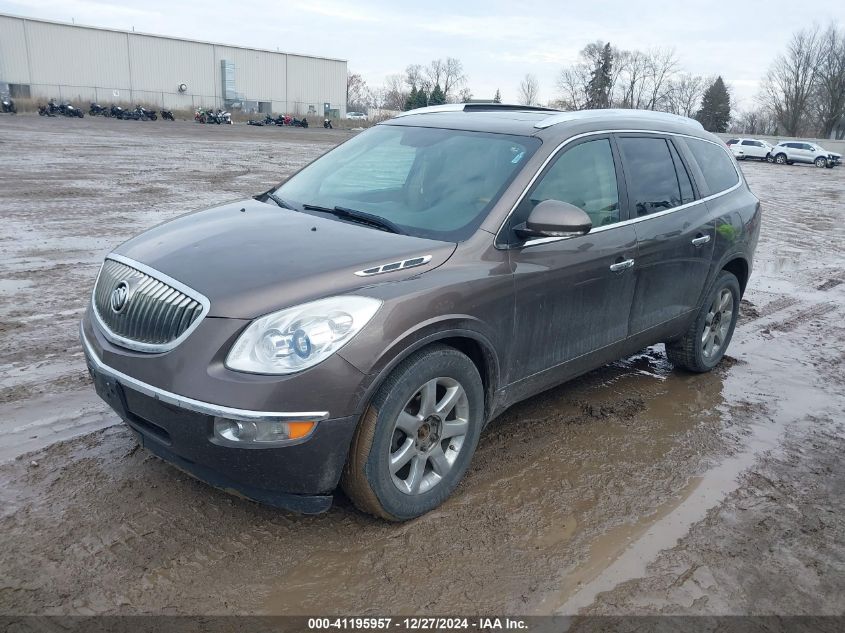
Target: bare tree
<point>574,81</point>
<point>829,95</point>
<point>528,90</point>
<point>447,73</point>
<point>633,80</point>
<point>684,92</point>
<point>789,84</point>
<point>661,64</point>
<point>754,122</point>
<point>573,84</point>
<point>394,92</point>
<point>417,77</point>
<point>358,95</point>
<point>464,95</point>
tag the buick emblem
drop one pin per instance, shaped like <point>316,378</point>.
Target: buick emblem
<point>119,297</point>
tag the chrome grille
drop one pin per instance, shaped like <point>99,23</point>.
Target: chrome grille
<point>156,314</point>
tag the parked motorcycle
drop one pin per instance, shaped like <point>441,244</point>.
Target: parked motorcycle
<point>269,120</point>
<point>44,110</point>
<point>68,109</point>
<point>146,115</point>
<point>97,110</point>
<point>116,111</point>
<point>327,124</point>
<point>167,115</point>
<point>9,106</point>
<point>299,123</point>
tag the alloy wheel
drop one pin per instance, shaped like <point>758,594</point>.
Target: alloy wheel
<point>428,435</point>
<point>717,325</point>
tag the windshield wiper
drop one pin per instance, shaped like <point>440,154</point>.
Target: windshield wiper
<point>360,217</point>
<point>279,201</point>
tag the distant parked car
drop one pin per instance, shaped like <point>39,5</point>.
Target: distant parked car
<point>789,152</point>
<point>743,148</point>
<point>356,115</point>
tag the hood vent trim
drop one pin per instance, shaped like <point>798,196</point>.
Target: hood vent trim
<point>391,267</point>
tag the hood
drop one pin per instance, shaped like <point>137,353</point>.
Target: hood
<point>250,258</point>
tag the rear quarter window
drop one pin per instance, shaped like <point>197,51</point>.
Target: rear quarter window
<point>715,164</point>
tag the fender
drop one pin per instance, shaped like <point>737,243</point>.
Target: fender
<point>428,332</point>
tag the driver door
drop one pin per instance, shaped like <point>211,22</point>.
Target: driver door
<point>573,295</point>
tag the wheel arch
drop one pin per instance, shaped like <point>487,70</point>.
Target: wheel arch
<point>475,345</point>
<point>740,269</point>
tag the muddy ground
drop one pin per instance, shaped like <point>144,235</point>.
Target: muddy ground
<point>634,489</point>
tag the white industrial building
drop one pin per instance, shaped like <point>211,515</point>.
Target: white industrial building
<point>41,59</point>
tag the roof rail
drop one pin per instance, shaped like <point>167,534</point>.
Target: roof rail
<point>647,115</point>
<point>476,107</point>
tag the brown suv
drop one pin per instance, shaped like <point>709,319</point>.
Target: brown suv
<point>365,320</point>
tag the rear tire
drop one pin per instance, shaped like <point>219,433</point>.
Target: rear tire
<point>415,441</point>
<point>704,344</point>
<point>780,159</point>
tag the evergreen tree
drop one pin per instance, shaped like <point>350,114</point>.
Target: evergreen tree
<point>498,97</point>
<point>598,90</point>
<point>411,101</point>
<point>715,112</point>
<point>436,97</point>
<point>422,99</point>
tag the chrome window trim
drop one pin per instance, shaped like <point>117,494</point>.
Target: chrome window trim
<point>557,150</point>
<point>183,402</point>
<point>138,346</point>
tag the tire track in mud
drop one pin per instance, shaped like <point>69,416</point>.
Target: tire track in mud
<point>800,318</point>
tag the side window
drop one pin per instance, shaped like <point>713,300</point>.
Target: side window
<point>653,183</point>
<point>684,181</point>
<point>748,143</point>
<point>715,164</point>
<point>732,141</point>
<point>585,176</point>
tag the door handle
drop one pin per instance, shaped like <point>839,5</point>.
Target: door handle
<point>700,241</point>
<point>623,265</point>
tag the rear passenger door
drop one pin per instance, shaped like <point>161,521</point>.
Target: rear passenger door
<point>753,149</point>
<point>675,233</point>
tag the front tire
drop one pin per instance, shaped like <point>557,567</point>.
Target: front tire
<point>769,158</point>
<point>780,159</point>
<point>416,439</point>
<point>821,161</point>
<point>705,342</point>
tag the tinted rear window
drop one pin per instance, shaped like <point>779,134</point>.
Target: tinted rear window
<point>650,173</point>
<point>718,168</point>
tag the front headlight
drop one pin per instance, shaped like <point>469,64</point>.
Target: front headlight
<point>297,338</point>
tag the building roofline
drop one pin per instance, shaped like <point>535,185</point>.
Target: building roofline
<point>167,37</point>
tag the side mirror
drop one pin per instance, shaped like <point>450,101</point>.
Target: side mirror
<point>554,218</point>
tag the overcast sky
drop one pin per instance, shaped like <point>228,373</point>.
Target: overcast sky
<point>498,41</point>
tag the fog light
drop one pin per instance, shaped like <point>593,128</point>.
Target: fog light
<point>259,433</point>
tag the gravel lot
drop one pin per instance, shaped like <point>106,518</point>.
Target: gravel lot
<point>633,490</point>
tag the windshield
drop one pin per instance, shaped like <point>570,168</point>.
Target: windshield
<point>429,182</point>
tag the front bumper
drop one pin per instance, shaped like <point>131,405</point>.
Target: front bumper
<point>179,430</point>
